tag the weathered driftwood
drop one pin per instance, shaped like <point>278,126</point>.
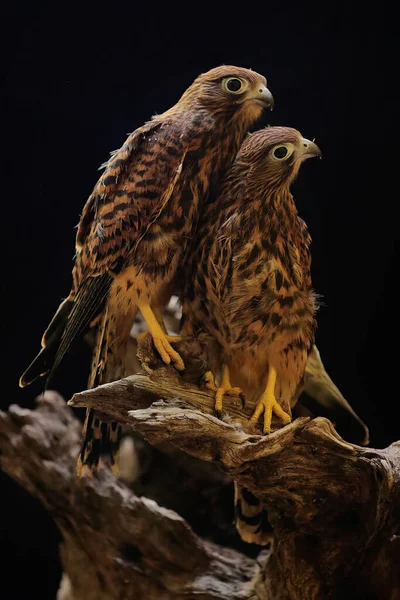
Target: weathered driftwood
<point>115,544</point>
<point>334,506</point>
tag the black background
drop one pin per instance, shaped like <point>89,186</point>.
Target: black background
<point>80,79</point>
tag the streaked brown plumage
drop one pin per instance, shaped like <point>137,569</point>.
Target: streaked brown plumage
<point>250,283</point>
<point>138,223</point>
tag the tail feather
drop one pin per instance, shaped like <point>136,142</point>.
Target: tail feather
<point>56,326</point>
<point>88,303</point>
<point>100,444</point>
<point>100,436</point>
<point>42,364</point>
<point>324,398</point>
<point>251,519</point>
<point>71,320</point>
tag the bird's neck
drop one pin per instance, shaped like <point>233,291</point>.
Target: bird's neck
<point>224,122</point>
<point>219,137</point>
<point>278,200</point>
<point>268,208</point>
<point>279,212</point>
<point>226,139</point>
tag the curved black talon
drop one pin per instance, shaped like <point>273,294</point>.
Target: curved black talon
<point>218,413</point>
<point>243,399</point>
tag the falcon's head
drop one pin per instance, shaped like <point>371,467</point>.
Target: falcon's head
<point>229,91</point>
<point>273,155</point>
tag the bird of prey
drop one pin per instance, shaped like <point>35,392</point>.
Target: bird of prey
<point>137,225</point>
<point>249,282</point>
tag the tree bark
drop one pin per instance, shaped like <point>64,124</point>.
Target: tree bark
<point>115,544</point>
<point>334,507</point>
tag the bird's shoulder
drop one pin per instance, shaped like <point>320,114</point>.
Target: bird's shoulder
<point>136,174</point>
<point>137,182</point>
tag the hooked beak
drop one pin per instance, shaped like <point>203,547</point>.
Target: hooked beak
<point>263,96</point>
<point>309,149</point>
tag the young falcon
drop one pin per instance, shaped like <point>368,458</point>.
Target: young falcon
<point>138,222</point>
<point>250,285</point>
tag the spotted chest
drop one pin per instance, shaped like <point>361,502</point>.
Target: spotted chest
<point>251,284</point>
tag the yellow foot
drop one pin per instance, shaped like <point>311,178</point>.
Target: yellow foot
<point>225,389</point>
<point>167,352</point>
<point>268,405</point>
<point>161,340</point>
<point>174,338</point>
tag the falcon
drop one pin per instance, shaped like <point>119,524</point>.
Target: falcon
<point>249,283</point>
<point>137,225</point>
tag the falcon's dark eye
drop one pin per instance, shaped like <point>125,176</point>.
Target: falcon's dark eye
<point>233,84</point>
<point>280,152</point>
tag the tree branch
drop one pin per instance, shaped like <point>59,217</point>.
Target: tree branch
<point>332,504</point>
<point>334,507</point>
<point>116,545</point>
